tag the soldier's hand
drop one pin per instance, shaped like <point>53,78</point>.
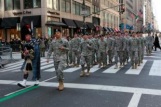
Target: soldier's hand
<point>62,48</point>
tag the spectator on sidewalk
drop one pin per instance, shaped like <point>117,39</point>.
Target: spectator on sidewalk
<point>156,43</point>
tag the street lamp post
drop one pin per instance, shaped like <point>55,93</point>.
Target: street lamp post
<point>84,17</point>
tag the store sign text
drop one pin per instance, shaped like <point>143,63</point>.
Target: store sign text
<point>21,13</point>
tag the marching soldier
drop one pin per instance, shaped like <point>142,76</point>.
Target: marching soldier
<point>102,50</point>
<point>85,50</point>
<point>75,44</point>
<point>134,51</point>
<point>59,47</point>
<point>149,44</point>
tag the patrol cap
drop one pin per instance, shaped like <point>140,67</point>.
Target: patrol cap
<point>57,30</point>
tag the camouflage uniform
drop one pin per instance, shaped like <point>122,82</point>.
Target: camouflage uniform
<point>59,56</point>
<point>118,50</point>
<point>75,44</point>
<point>134,52</point>
<point>102,49</point>
<point>149,44</point>
<point>85,50</point>
<point>110,47</point>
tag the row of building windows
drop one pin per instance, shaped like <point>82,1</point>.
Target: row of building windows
<point>108,3</point>
<point>15,4</point>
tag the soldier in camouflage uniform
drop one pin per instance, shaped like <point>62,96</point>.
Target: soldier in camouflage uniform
<point>75,44</point>
<point>118,50</point>
<point>85,50</point>
<point>59,47</point>
<point>149,44</point>
<point>102,50</point>
<point>143,41</point>
<point>134,50</point>
<point>90,38</point>
<point>139,48</point>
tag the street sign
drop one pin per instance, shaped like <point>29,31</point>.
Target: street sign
<point>84,12</point>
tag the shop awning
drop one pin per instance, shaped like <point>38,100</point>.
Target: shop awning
<point>10,22</point>
<point>0,23</point>
<point>90,25</point>
<point>28,19</point>
<point>69,23</point>
<point>53,23</point>
<point>104,28</point>
<point>79,24</point>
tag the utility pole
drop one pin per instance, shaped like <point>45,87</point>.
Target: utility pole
<point>84,17</point>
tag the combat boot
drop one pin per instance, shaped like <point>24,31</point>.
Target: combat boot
<point>61,86</point>
<point>88,73</point>
<point>100,65</point>
<point>82,74</point>
<point>136,66</point>
<point>116,66</point>
<point>133,67</point>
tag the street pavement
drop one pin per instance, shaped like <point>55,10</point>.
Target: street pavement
<point>106,87</point>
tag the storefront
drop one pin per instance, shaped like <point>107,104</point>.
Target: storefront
<point>70,29</point>
<point>10,31</point>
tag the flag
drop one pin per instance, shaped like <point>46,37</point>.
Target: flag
<point>137,18</point>
<point>140,13</point>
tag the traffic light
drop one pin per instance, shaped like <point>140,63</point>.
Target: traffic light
<point>122,10</point>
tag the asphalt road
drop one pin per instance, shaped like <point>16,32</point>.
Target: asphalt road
<point>106,87</point>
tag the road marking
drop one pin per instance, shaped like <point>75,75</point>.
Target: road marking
<point>93,87</point>
<point>94,68</point>
<point>155,70</point>
<point>49,79</point>
<point>72,69</point>
<point>138,70</point>
<point>50,70</point>
<point>111,70</point>
<point>135,100</point>
<point>17,93</point>
<point>47,66</point>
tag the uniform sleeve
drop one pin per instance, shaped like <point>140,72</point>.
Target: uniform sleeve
<point>50,50</point>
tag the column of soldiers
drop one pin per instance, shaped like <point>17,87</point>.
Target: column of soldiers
<point>116,47</point>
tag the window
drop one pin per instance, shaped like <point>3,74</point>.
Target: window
<point>53,4</point>
<point>0,5</point>
<point>77,8</point>
<point>12,4</point>
<point>16,4</point>
<point>66,6</point>
<point>32,4</point>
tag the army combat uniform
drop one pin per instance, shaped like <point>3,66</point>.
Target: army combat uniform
<point>59,56</point>
<point>85,50</point>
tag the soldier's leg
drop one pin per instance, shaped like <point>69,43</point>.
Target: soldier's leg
<point>73,58</point>
<point>88,58</point>
<point>110,56</point>
<point>78,58</point>
<point>132,59</point>
<point>116,59</point>
<point>60,74</point>
<point>104,57</point>
<point>82,61</point>
<point>136,59</point>
<point>99,59</point>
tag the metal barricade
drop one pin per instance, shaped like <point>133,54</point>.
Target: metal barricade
<point>5,56</point>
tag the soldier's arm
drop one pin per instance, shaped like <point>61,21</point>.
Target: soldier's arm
<point>50,50</point>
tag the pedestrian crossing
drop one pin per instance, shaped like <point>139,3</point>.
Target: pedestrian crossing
<point>155,69</point>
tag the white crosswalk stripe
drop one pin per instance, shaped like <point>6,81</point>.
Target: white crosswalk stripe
<point>136,71</point>
<point>155,69</point>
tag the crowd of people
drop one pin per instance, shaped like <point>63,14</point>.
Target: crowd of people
<point>117,48</point>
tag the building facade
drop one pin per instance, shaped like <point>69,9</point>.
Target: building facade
<point>43,16</point>
<point>132,18</point>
